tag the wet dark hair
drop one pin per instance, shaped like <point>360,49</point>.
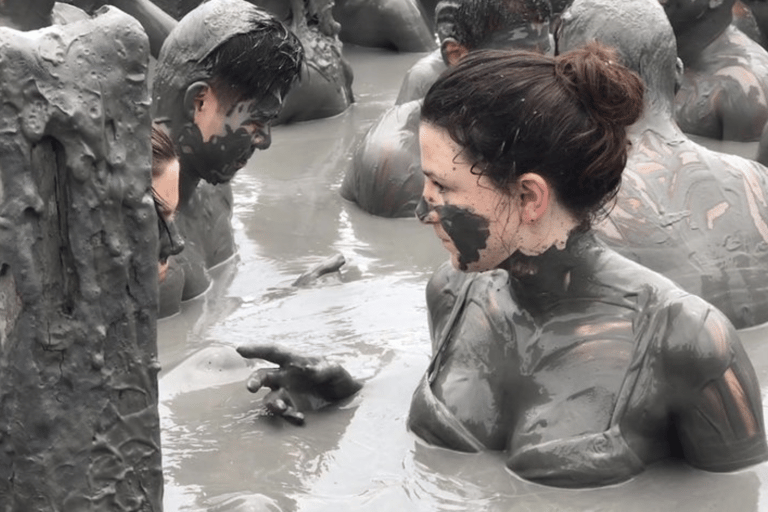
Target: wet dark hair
<point>473,22</point>
<point>264,61</point>
<point>562,117</point>
<point>163,152</point>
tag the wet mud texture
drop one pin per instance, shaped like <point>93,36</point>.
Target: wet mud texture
<point>79,426</point>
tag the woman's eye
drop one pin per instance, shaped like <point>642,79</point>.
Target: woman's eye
<point>439,186</point>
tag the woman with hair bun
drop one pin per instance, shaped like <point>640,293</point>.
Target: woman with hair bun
<point>583,366</point>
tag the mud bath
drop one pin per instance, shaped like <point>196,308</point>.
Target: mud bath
<point>221,452</point>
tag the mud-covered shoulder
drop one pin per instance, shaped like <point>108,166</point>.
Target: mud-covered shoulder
<point>700,343</point>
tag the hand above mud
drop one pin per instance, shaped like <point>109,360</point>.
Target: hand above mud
<point>300,383</point>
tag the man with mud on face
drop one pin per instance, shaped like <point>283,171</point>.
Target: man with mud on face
<point>220,81</point>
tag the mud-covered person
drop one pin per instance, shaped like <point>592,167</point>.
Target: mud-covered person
<point>220,80</point>
<point>385,176</point>
<point>590,366</point>
<point>724,92</point>
<point>581,365</point>
<point>466,25</point>
<point>165,193</point>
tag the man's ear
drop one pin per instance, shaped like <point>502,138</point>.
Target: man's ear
<point>535,196</point>
<point>193,98</point>
<point>679,72</point>
<point>452,51</point>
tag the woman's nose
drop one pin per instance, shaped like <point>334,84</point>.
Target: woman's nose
<point>425,212</point>
<point>171,241</point>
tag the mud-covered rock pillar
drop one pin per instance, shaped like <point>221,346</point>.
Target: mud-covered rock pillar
<point>79,426</point>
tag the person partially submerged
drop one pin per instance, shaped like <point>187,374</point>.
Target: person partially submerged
<point>220,80</point>
<point>165,194</point>
<point>579,364</point>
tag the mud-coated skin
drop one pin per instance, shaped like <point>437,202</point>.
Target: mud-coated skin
<point>401,25</point>
<point>385,178</point>
<point>585,369</point>
<point>79,425</point>
<point>468,230</point>
<point>26,14</point>
<point>325,88</point>
<point>420,77</point>
<point>745,20</point>
<point>724,92</point>
<point>206,225</point>
<point>699,217</point>
<point>299,383</point>
<point>205,211</point>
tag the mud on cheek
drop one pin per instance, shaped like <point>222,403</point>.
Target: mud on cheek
<point>468,231</point>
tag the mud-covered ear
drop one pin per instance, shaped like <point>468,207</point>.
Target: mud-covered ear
<point>679,70</point>
<point>193,98</point>
<point>452,51</point>
<point>535,196</point>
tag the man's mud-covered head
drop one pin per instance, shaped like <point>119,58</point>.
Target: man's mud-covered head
<point>220,81</point>
<point>466,25</point>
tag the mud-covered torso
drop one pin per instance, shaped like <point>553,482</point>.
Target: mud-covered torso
<point>575,380</point>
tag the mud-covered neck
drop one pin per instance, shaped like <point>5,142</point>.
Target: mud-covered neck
<point>556,273</point>
<point>694,34</point>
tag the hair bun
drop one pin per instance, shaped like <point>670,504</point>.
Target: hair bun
<point>610,92</point>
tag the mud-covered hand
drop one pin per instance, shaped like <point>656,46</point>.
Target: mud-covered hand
<point>299,383</point>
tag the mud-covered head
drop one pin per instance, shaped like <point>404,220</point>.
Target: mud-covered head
<point>639,31</point>
<point>25,14</point>
<point>500,24</point>
<point>231,63</point>
<point>524,126</point>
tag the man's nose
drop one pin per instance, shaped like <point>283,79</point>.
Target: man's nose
<point>171,241</point>
<point>262,136</point>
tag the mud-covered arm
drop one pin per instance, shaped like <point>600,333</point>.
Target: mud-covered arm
<point>441,293</point>
<point>717,407</point>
